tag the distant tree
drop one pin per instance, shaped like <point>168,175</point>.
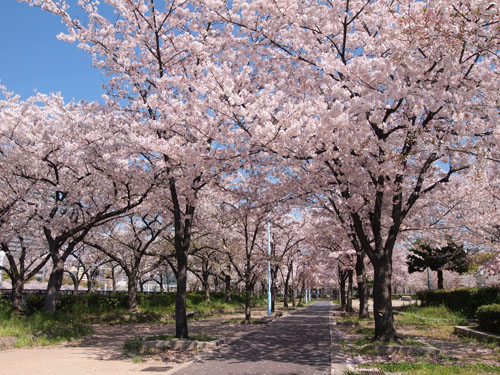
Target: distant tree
<point>451,257</point>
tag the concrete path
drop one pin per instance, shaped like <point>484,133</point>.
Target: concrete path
<point>299,343</point>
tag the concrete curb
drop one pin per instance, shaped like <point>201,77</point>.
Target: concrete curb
<point>480,335</point>
<point>183,345</point>
<point>337,360</point>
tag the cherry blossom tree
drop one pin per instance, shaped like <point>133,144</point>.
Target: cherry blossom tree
<point>131,243</point>
<point>85,262</point>
<point>153,53</point>
<point>81,173</point>
<point>371,98</point>
<point>25,258</point>
<point>380,101</point>
<point>288,234</point>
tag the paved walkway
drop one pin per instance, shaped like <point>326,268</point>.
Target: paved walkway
<point>299,343</point>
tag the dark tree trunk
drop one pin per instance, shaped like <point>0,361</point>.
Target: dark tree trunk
<point>287,283</point>
<point>348,307</point>
<point>285,295</point>
<point>440,279</point>
<point>292,290</point>
<point>274,289</point>
<point>132,292</point>
<point>362,286</point>
<point>53,287</point>
<point>74,279</point>
<point>302,291</point>
<point>207,293</point>
<point>181,326</point>
<point>161,283</point>
<point>248,301</point>
<point>182,240</point>
<point>113,279</point>
<point>263,287</point>
<point>342,280</point>
<point>382,304</point>
<point>216,284</point>
<point>206,288</point>
<point>17,295</point>
<point>227,282</point>
<point>89,283</point>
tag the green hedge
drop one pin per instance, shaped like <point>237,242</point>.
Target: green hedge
<point>465,300</point>
<point>88,302</point>
<point>97,302</point>
<point>489,318</point>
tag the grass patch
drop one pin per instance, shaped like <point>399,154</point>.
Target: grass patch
<point>133,346</point>
<point>433,322</point>
<point>429,316</point>
<point>426,368</point>
<point>42,329</point>
<point>75,314</point>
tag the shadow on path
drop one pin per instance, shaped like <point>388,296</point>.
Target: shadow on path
<point>296,344</point>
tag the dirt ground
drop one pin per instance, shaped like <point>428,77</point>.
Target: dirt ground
<point>103,352</point>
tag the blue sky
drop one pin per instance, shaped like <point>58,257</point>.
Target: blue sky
<point>31,57</point>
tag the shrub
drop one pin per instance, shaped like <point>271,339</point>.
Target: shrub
<point>489,318</point>
<point>5,306</point>
<point>97,302</point>
<point>465,300</point>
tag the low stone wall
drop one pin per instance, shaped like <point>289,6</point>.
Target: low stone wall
<point>183,345</point>
<point>7,342</point>
<point>481,336</point>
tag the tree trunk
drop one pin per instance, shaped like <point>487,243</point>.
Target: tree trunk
<point>89,283</point>
<point>273,289</point>
<point>440,279</point>
<point>17,295</point>
<point>227,281</point>
<point>248,301</point>
<point>342,281</point>
<point>362,287</point>
<point>113,279</point>
<point>302,292</point>
<point>349,291</point>
<point>181,326</point>
<point>132,292</point>
<point>54,286</point>
<point>382,303</point>
<point>285,295</point>
<point>161,283</point>
<point>206,288</point>
<point>75,280</point>
<point>263,288</point>
<point>292,290</point>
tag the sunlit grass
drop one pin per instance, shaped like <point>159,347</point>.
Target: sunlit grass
<point>428,368</point>
<point>42,329</point>
<point>38,328</point>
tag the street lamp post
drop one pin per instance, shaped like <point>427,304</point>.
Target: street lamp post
<point>306,295</point>
<point>269,312</point>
